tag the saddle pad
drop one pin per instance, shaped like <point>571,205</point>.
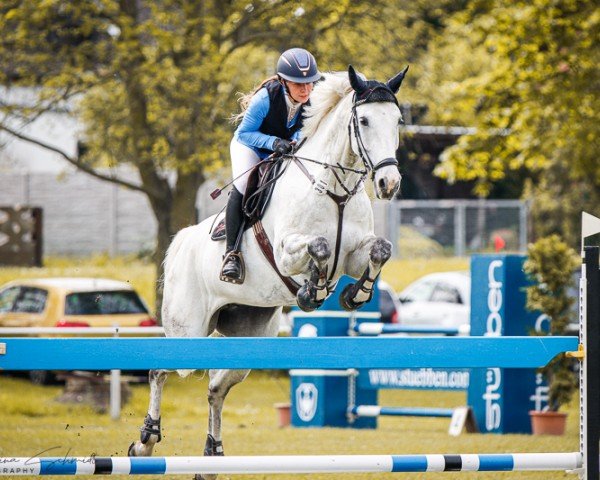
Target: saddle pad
<point>219,233</point>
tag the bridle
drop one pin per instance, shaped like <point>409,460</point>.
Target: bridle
<point>354,131</point>
<point>360,99</point>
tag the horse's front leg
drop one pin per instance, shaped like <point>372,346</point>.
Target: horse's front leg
<point>304,253</point>
<point>364,263</point>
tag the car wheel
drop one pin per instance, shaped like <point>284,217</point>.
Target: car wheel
<point>41,377</point>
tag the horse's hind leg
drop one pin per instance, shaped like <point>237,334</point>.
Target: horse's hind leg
<point>366,261</point>
<point>150,431</point>
<point>220,383</point>
<point>234,321</point>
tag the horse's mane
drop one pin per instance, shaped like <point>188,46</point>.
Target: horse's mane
<point>325,97</point>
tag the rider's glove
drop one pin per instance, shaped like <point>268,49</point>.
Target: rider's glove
<point>282,146</point>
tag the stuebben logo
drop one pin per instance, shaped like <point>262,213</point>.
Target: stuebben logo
<point>493,378</point>
<point>493,414</point>
<point>494,301</point>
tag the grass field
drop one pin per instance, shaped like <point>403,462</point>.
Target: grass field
<point>32,421</point>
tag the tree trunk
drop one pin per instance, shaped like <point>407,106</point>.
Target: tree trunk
<point>184,212</point>
<point>173,215</point>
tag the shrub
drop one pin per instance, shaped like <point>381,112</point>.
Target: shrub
<point>551,263</point>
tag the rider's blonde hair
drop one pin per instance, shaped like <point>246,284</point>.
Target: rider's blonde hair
<point>245,98</point>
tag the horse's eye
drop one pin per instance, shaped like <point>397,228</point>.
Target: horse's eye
<point>364,121</point>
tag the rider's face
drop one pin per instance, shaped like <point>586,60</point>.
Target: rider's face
<point>300,92</point>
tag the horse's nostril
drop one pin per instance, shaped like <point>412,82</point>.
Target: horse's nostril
<point>382,184</point>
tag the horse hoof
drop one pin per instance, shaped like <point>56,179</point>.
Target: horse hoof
<point>139,449</point>
<point>306,298</point>
<point>200,476</point>
<point>135,449</point>
<point>346,301</point>
<point>131,450</point>
<point>212,448</point>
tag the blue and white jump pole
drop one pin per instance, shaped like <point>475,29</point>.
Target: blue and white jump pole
<point>290,464</point>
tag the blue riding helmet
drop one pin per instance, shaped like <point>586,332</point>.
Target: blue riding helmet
<point>298,65</point>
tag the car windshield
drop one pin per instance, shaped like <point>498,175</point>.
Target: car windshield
<point>418,292</point>
<point>446,293</point>
<point>103,303</point>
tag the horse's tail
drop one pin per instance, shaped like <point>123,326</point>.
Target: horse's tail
<point>176,266</point>
<point>172,252</point>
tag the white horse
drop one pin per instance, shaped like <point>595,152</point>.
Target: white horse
<point>320,226</point>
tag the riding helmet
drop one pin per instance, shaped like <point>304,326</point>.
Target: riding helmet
<point>298,65</point>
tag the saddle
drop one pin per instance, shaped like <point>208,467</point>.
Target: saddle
<point>261,183</point>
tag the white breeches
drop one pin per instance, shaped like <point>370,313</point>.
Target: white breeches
<point>242,159</point>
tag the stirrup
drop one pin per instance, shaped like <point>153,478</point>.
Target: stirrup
<point>242,276</point>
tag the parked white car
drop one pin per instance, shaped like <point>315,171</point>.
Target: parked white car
<point>438,299</point>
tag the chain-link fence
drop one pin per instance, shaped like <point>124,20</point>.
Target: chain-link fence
<point>456,227</point>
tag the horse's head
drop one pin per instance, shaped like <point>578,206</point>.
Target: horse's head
<point>374,129</point>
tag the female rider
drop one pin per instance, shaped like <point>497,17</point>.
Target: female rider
<point>271,121</point>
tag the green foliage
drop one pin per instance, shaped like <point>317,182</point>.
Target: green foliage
<point>551,263</point>
<point>556,204</point>
<point>385,37</point>
<point>530,88</point>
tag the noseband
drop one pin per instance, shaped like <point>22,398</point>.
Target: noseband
<point>359,99</point>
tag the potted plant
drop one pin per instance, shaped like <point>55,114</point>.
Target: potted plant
<point>551,263</point>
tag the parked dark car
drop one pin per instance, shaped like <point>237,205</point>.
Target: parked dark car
<point>389,306</point>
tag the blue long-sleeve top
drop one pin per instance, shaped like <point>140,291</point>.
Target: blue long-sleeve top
<point>248,132</point>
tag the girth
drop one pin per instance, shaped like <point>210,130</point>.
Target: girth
<point>267,249</point>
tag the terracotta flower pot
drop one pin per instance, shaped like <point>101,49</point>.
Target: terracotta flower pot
<point>548,423</point>
<point>284,414</point>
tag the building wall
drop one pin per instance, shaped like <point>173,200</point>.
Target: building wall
<point>83,215</point>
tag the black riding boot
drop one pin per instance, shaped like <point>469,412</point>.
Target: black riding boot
<point>233,264</point>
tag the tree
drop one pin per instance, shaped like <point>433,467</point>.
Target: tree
<point>530,88</point>
<point>154,82</point>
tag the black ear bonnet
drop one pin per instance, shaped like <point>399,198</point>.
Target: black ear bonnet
<point>370,91</point>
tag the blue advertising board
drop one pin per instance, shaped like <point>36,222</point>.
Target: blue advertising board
<point>501,398</point>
